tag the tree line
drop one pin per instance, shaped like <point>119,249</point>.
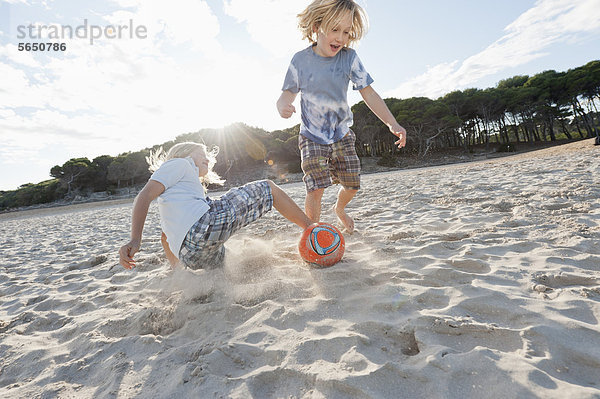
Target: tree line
<point>241,147</point>
<point>545,107</point>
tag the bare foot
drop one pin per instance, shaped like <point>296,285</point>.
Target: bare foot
<point>344,219</point>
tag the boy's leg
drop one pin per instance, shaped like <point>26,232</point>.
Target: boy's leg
<point>312,204</point>
<point>315,165</point>
<point>287,207</point>
<point>250,202</point>
<point>346,167</point>
<point>345,195</point>
<point>170,255</point>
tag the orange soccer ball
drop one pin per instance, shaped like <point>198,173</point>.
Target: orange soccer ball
<point>322,244</point>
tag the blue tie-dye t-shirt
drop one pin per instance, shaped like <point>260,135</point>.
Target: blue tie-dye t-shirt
<point>323,84</point>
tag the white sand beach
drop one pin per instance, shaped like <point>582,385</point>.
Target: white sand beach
<point>476,280</point>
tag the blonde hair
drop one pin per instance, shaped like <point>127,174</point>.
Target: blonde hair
<point>327,14</point>
<point>184,150</point>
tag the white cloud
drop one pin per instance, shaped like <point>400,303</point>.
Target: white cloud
<point>271,23</point>
<point>13,79</point>
<point>10,51</point>
<point>432,83</point>
<point>190,22</point>
<point>128,82</point>
<point>31,142</point>
<point>548,22</point>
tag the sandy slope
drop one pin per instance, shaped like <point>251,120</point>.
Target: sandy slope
<point>472,280</point>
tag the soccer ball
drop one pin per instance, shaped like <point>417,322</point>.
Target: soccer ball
<point>322,244</point>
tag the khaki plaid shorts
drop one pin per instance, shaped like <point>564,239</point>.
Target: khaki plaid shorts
<point>327,164</point>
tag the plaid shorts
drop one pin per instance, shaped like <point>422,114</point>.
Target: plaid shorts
<point>203,244</point>
<point>327,164</point>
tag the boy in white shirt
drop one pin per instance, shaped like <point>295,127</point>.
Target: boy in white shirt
<point>196,227</point>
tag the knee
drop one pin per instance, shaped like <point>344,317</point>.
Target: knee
<point>316,194</point>
<point>272,185</point>
<point>350,190</point>
<point>276,191</point>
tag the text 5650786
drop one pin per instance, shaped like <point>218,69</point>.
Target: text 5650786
<point>42,46</point>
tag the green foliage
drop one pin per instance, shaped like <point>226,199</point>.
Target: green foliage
<point>73,174</point>
<point>546,106</point>
<point>372,136</point>
<point>282,145</point>
<point>99,179</point>
<point>294,166</point>
<point>515,81</point>
<point>128,169</point>
<point>388,159</point>
<point>506,147</point>
<point>32,194</point>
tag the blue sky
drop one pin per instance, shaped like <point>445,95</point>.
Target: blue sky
<point>210,63</point>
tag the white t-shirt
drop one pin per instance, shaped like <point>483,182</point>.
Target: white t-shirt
<point>183,202</point>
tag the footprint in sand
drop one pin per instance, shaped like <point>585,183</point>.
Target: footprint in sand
<point>470,265</point>
<point>564,280</point>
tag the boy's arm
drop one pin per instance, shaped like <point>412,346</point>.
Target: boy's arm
<point>377,105</point>
<point>284,104</point>
<point>149,193</point>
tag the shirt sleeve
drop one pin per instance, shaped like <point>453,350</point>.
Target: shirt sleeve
<point>358,74</point>
<point>170,172</point>
<point>291,82</point>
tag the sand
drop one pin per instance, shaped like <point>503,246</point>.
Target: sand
<point>463,281</point>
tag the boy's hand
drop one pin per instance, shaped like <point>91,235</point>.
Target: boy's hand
<point>286,111</point>
<point>400,132</point>
<point>126,254</point>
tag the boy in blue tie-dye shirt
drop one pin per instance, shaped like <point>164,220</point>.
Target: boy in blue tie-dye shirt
<point>321,73</point>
